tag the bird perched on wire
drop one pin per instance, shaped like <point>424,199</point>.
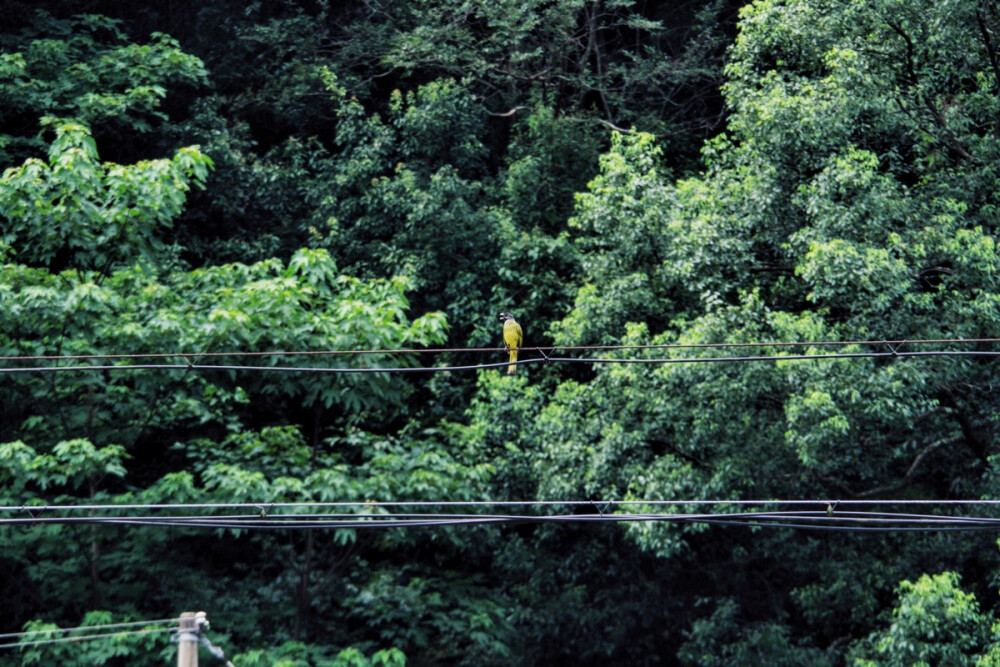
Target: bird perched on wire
<point>512,338</point>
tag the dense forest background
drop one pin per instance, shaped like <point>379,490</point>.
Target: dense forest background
<point>236,176</point>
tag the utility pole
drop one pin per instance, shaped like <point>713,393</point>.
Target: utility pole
<point>188,637</point>
<point>192,633</point>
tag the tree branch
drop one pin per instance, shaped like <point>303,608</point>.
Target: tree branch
<point>911,72</point>
<point>507,114</point>
<point>913,467</point>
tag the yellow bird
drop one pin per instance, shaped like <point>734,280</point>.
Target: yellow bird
<point>512,338</point>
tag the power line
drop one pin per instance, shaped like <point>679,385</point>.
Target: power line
<point>895,343</point>
<point>105,626</point>
<point>475,367</point>
<point>377,515</point>
<point>828,519</point>
<point>67,640</point>
<point>598,503</point>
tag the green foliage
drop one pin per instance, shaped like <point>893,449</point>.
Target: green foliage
<point>73,464</point>
<point>550,159</point>
<point>74,210</point>
<point>934,623</point>
<point>389,176</point>
<point>105,280</point>
<point>651,250</point>
<point>264,307</point>
<point>276,465</point>
<point>406,197</point>
<point>616,60</point>
<point>855,247</point>
<point>721,639</point>
<point>455,624</point>
<point>84,67</point>
<point>297,654</point>
<point>820,217</point>
<point>68,651</point>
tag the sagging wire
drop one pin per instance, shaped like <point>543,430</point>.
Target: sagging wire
<point>477,367</point>
<point>819,519</point>
<point>31,509</point>
<point>104,626</point>
<point>541,349</point>
<point>85,637</point>
<point>192,630</point>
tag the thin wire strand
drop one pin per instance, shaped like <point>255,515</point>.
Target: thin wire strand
<point>550,348</point>
<point>504,364</point>
<point>610,503</point>
<point>105,626</point>
<point>67,640</point>
<point>788,519</point>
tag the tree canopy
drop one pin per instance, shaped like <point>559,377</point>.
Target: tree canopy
<point>765,232</point>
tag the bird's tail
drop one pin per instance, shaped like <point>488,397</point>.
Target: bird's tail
<point>512,368</point>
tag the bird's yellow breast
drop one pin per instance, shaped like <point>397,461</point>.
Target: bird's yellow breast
<point>512,335</point>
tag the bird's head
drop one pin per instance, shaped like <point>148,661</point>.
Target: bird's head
<point>506,316</point>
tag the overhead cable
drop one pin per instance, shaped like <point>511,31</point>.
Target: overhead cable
<point>504,364</point>
<point>804,519</point>
<point>599,503</point>
<point>81,638</point>
<point>105,626</point>
<point>895,343</point>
